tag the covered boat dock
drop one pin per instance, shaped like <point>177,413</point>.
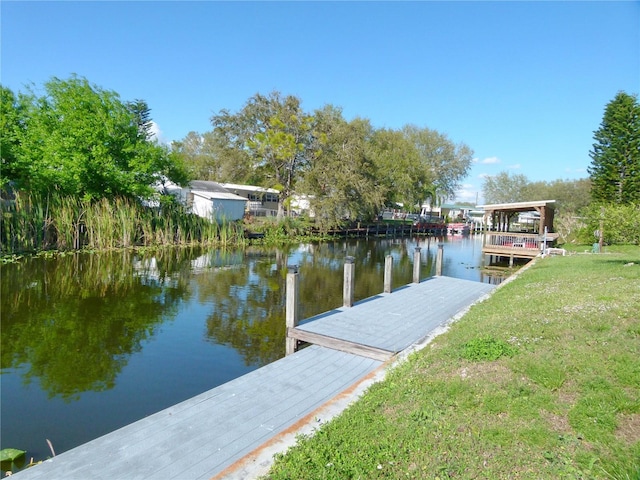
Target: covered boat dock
<point>500,240</point>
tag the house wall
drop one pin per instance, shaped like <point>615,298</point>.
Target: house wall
<point>268,201</point>
<point>262,200</point>
<point>301,204</point>
<point>217,209</point>
<point>229,209</point>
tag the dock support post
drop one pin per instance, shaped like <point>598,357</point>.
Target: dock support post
<point>349,274</point>
<point>291,307</point>
<point>416,265</point>
<point>439,257</point>
<point>388,271</point>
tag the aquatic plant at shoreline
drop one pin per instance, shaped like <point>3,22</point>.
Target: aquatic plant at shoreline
<point>31,223</point>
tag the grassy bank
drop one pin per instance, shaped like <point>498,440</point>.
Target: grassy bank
<point>542,380</point>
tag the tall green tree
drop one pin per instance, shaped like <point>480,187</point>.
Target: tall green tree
<point>142,116</point>
<point>208,156</point>
<point>276,133</point>
<point>341,178</point>
<point>506,188</point>
<point>444,163</point>
<point>10,131</point>
<point>615,157</point>
<point>80,140</point>
<point>399,168</point>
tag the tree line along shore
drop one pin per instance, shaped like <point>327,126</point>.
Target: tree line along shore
<point>82,168</point>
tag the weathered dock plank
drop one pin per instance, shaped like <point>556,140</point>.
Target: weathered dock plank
<point>339,344</point>
<point>201,437</point>
<point>394,321</point>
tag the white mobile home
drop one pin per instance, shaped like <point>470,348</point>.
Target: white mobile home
<point>210,200</point>
<point>263,202</point>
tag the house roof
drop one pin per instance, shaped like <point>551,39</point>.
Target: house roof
<point>518,206</point>
<point>208,189</point>
<point>207,186</point>
<point>453,206</point>
<point>219,195</point>
<point>248,188</point>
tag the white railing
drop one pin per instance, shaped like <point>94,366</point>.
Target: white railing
<point>518,241</point>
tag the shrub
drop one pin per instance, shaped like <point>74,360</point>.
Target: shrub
<point>486,348</point>
<point>620,223</point>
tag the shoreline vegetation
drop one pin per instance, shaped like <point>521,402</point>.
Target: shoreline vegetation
<point>33,225</point>
<point>541,380</point>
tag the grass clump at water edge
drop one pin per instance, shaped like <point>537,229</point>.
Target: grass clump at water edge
<point>549,387</point>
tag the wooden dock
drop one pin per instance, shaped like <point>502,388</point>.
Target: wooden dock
<point>501,242</point>
<point>518,245</point>
<point>213,434</point>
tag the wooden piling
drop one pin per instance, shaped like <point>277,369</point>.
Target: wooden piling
<point>416,265</point>
<point>439,257</point>
<point>348,287</point>
<point>291,307</point>
<point>388,271</point>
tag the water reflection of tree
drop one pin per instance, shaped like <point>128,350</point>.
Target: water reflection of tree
<point>247,307</point>
<point>249,302</point>
<point>73,322</point>
<point>324,276</point>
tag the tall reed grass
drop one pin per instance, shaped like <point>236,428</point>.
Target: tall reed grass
<point>33,223</point>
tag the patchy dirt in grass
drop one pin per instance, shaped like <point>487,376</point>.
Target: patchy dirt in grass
<point>491,372</point>
<point>557,423</point>
<point>628,430</point>
<point>567,394</point>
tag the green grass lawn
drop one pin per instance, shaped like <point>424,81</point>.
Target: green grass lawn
<point>540,381</point>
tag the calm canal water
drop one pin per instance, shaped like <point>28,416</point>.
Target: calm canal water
<point>92,342</point>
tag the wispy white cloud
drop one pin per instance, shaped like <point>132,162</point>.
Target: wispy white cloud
<point>515,166</point>
<point>489,161</point>
<point>467,193</point>
<point>156,133</point>
<point>463,195</point>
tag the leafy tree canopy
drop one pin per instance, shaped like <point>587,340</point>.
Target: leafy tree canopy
<point>570,195</point>
<point>341,177</point>
<point>80,140</point>
<point>276,133</point>
<point>505,188</point>
<point>399,167</point>
<point>10,132</point>
<point>209,157</point>
<point>349,169</point>
<point>615,157</point>
<point>444,163</point>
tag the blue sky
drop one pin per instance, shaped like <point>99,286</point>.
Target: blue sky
<point>524,84</point>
